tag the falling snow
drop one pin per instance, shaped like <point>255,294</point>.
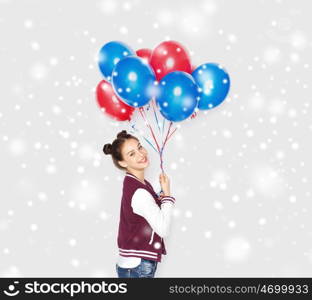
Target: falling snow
<point>241,172</point>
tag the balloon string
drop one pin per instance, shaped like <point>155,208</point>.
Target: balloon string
<point>142,112</point>
<point>133,127</point>
<point>161,131</point>
<point>160,151</point>
<point>167,134</point>
<point>150,143</point>
<point>172,133</point>
<point>163,127</point>
<point>153,105</point>
<point>161,161</point>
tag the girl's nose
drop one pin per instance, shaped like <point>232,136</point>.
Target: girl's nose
<point>142,154</point>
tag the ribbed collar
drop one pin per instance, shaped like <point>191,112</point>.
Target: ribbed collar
<point>133,176</point>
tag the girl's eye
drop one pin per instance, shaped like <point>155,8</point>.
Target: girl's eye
<point>131,154</point>
<point>140,147</point>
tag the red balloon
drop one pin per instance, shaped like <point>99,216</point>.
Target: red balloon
<point>145,53</point>
<point>111,104</point>
<point>170,56</point>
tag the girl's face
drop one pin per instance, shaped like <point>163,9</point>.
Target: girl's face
<point>134,155</point>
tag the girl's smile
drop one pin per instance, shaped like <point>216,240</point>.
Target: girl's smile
<point>144,160</point>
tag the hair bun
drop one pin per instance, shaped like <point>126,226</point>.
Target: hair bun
<point>107,149</point>
<point>122,134</point>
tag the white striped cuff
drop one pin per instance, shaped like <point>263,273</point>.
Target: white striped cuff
<point>132,252</point>
<point>166,199</point>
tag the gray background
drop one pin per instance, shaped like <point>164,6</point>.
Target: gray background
<point>241,172</point>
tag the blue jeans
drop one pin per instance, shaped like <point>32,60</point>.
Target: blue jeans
<point>146,268</point>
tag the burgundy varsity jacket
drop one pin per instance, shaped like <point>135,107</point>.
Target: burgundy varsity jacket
<point>136,238</point>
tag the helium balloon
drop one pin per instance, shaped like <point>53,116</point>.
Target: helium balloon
<point>110,54</point>
<point>177,96</point>
<point>134,81</point>
<point>109,102</point>
<point>213,82</point>
<point>170,56</point>
<point>145,53</point>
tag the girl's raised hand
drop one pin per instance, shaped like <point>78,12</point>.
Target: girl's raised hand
<point>165,184</point>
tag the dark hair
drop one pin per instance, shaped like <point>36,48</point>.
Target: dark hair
<point>114,149</point>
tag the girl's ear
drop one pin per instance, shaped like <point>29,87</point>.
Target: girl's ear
<point>122,163</point>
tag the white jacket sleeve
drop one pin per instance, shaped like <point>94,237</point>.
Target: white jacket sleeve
<point>144,204</point>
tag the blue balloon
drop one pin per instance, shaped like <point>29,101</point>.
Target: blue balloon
<point>177,96</point>
<point>213,82</point>
<point>110,54</point>
<point>134,81</point>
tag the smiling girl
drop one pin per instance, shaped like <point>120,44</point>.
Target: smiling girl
<point>145,217</point>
